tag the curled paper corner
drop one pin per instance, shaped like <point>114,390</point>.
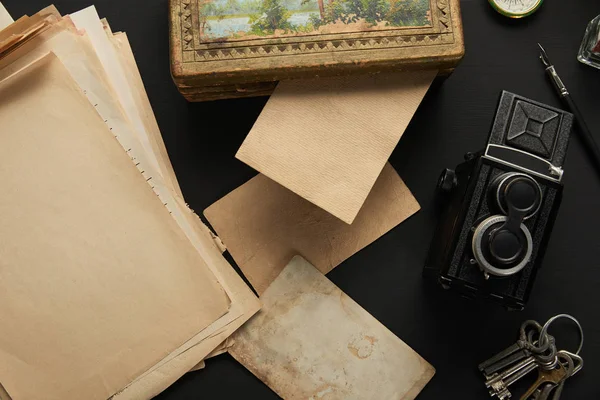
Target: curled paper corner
<point>199,366</point>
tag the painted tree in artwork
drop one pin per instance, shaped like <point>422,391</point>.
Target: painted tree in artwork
<point>392,12</point>
<point>204,6</point>
<point>408,12</point>
<point>273,16</point>
<point>321,5</point>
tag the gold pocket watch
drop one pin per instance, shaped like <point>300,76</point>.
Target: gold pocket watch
<point>516,8</point>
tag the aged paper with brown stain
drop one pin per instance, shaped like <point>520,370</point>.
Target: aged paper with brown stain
<point>264,225</point>
<point>328,139</point>
<point>75,197</point>
<point>312,341</point>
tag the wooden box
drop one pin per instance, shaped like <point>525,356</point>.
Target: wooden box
<point>240,48</point>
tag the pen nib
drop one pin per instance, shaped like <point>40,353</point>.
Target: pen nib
<point>544,56</point>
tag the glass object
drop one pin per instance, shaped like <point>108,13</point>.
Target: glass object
<point>589,52</point>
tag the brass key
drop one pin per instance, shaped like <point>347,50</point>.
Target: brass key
<point>553,376</point>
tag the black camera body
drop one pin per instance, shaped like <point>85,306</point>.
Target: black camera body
<point>500,205</point>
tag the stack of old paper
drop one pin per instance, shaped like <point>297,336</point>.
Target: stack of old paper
<point>110,286</point>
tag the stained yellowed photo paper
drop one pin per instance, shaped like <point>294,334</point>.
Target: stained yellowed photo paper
<point>311,341</point>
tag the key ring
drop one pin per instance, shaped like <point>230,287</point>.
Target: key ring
<point>526,337</point>
<point>543,332</point>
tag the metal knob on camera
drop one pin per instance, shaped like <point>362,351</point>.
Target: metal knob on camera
<point>502,245</point>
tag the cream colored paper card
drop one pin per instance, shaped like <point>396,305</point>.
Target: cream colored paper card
<point>328,139</point>
<point>108,256</point>
<point>5,18</point>
<point>312,341</point>
<point>263,225</point>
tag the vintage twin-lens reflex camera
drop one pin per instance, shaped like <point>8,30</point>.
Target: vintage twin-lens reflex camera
<point>500,205</point>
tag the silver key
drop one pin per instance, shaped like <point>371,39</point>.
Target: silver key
<point>513,353</point>
<point>523,348</point>
<point>507,361</point>
<point>499,383</point>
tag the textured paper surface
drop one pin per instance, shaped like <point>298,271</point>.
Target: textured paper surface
<point>327,140</point>
<point>264,225</point>
<point>78,200</point>
<point>312,341</point>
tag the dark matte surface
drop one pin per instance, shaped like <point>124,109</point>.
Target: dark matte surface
<point>451,333</point>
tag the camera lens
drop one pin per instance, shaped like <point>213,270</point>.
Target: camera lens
<point>505,246</point>
<point>521,194</point>
<point>520,191</point>
<point>499,251</point>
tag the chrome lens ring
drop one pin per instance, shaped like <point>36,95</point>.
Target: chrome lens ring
<point>478,253</point>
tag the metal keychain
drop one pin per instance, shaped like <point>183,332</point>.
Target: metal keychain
<point>534,350</point>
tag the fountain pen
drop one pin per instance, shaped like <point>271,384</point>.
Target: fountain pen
<point>584,132</point>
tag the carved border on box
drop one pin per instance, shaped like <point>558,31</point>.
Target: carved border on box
<point>440,32</point>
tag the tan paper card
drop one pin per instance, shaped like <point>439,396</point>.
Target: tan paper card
<point>263,225</point>
<point>107,255</point>
<point>311,341</point>
<point>327,140</point>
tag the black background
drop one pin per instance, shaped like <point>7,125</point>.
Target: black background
<point>451,333</point>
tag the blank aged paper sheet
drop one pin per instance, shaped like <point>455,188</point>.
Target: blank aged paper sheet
<point>264,224</point>
<point>328,139</point>
<point>75,237</point>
